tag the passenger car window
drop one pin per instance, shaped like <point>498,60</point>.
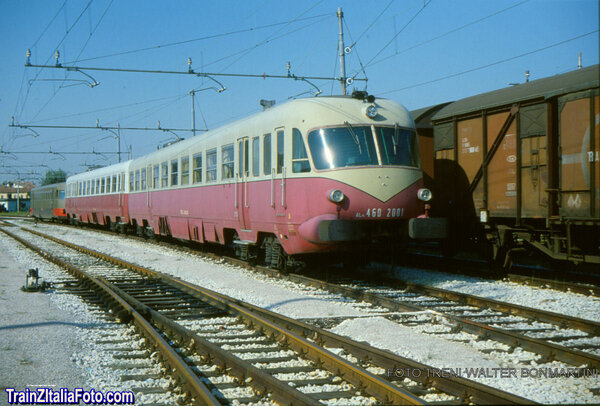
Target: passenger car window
<point>300,161</point>
<point>155,174</point>
<point>174,172</point>
<point>280,150</point>
<point>164,174</point>
<point>267,154</point>
<point>185,170</point>
<point>197,162</point>
<point>211,165</point>
<point>255,156</point>
<point>227,162</point>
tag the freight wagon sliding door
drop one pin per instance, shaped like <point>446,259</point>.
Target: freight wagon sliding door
<point>579,120</point>
<point>534,160</point>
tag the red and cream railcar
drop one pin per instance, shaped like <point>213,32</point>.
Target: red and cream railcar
<point>99,196</point>
<point>308,176</point>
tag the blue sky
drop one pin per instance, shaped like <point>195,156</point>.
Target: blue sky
<point>426,42</point>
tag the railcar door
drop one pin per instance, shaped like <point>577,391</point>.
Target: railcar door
<point>242,203</point>
<point>579,122</point>
<point>279,174</point>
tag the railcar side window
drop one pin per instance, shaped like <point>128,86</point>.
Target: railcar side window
<point>143,175</point>
<point>227,170</point>
<point>185,170</point>
<point>174,172</point>
<point>243,157</point>
<point>108,184</point>
<point>93,187</point>
<point>164,172</point>
<point>280,150</point>
<point>211,165</point>
<point>397,146</point>
<point>267,154</point>
<point>114,184</point>
<point>131,175</point>
<point>122,182</point>
<point>137,180</point>
<point>255,156</point>
<point>299,156</point>
<point>155,174</point>
<point>197,162</point>
<point>102,185</point>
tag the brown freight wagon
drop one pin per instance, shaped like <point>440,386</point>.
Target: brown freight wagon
<point>520,167</point>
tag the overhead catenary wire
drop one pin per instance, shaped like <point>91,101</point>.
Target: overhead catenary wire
<point>207,37</point>
<point>80,52</point>
<point>491,64</point>
<point>449,32</point>
<point>425,4</point>
<point>178,96</point>
<point>68,30</point>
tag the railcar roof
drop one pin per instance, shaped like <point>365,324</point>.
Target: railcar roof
<point>120,167</point>
<point>51,186</point>
<point>337,108</point>
<point>581,79</point>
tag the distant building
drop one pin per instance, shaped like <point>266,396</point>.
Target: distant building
<point>13,192</point>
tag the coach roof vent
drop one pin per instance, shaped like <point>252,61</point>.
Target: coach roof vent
<point>267,104</point>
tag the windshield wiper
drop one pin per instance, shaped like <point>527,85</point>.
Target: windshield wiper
<point>354,136</point>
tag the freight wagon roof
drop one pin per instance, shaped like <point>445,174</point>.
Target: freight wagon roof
<point>574,81</point>
<point>423,115</point>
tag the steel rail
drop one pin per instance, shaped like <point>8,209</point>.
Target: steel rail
<point>466,390</point>
<point>562,320</point>
<point>548,350</point>
<point>225,361</point>
<point>375,386</point>
<point>196,389</point>
<point>588,290</point>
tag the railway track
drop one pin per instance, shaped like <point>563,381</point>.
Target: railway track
<point>553,336</point>
<point>261,338</point>
<point>525,276</point>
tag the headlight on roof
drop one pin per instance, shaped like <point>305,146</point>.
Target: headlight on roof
<point>424,194</point>
<point>370,111</point>
<point>336,196</point>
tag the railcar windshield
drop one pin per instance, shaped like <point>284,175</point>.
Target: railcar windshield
<point>347,146</point>
<point>343,146</point>
<point>397,146</point>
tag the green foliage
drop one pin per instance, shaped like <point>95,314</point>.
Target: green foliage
<point>56,176</point>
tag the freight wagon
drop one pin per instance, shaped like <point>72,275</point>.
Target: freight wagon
<point>519,167</point>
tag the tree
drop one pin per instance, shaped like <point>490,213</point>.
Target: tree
<point>56,176</point>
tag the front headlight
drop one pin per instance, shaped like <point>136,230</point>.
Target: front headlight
<point>336,196</point>
<point>424,194</point>
<point>370,111</point>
